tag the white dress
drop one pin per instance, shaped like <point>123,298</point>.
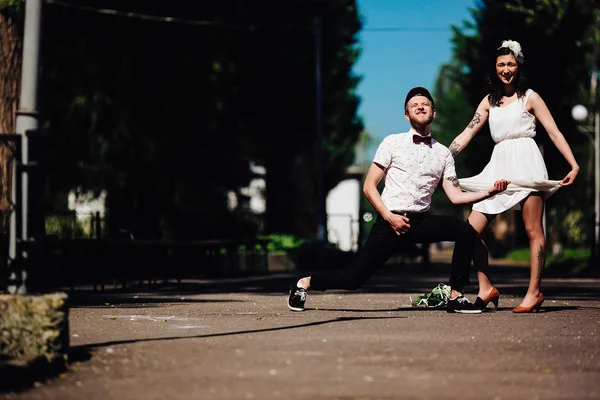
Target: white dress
<point>516,157</point>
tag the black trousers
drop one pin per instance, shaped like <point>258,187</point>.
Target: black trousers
<point>383,242</point>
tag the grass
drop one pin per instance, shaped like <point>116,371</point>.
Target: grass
<point>521,254</point>
<point>571,259</point>
<point>283,243</point>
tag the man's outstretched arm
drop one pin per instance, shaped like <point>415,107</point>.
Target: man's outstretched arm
<point>457,196</point>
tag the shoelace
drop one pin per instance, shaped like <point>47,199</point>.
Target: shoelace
<point>302,294</point>
<point>463,300</point>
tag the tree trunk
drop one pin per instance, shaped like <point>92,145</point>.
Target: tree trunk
<point>291,192</point>
<point>11,52</point>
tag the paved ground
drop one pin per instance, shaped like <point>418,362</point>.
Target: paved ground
<point>235,339</point>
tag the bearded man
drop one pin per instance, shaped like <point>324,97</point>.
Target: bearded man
<point>413,164</point>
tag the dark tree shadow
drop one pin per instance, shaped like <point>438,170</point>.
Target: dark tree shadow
<point>89,347</point>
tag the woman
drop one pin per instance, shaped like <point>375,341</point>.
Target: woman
<point>512,109</point>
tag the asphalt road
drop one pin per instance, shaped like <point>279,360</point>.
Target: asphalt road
<point>236,339</point>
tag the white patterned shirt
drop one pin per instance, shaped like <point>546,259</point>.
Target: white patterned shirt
<point>412,171</point>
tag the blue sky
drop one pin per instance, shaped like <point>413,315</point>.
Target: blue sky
<point>392,62</point>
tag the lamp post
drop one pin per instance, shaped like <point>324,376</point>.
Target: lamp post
<point>580,114</point>
<point>21,258</point>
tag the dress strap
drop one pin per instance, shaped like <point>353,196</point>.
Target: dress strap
<point>524,99</point>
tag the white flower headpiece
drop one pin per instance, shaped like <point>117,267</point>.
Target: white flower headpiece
<point>515,47</point>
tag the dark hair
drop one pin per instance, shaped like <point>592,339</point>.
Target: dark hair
<point>495,86</point>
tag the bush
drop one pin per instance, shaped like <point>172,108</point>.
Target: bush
<point>573,228</point>
<point>281,243</point>
<point>521,254</point>
<point>571,259</point>
<point>66,226</point>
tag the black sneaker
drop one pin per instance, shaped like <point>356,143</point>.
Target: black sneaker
<point>297,298</point>
<point>461,305</point>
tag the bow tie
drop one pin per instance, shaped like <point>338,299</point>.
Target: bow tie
<point>422,139</point>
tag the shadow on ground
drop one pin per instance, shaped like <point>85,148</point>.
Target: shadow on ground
<point>85,349</point>
<point>392,278</point>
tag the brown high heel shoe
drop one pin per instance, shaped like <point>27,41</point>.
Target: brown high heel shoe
<point>493,297</point>
<point>535,307</point>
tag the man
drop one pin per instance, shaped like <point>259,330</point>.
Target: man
<point>413,164</point>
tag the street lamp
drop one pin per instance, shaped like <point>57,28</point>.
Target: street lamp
<point>580,114</point>
<point>23,242</point>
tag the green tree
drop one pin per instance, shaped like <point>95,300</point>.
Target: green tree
<point>167,117</point>
<point>452,110</point>
<point>277,67</point>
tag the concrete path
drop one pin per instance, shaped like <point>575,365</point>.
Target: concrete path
<point>236,339</point>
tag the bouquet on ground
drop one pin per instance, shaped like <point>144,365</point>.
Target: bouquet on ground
<point>438,297</point>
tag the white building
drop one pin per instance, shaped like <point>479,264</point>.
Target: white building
<point>343,208</point>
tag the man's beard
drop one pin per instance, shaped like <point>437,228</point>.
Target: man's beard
<point>420,124</point>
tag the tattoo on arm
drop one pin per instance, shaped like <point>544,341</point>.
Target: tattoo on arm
<point>454,181</point>
<point>476,119</point>
<point>454,148</point>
